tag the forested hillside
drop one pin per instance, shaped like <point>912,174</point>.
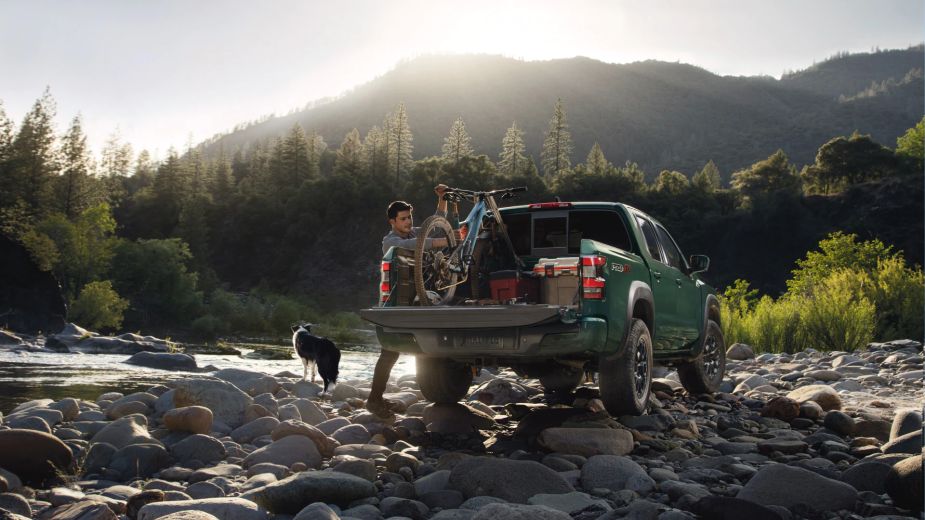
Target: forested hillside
<point>224,239</point>
<point>656,114</point>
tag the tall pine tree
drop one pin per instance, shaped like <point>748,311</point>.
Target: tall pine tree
<point>708,179</point>
<point>401,144</point>
<point>349,159</point>
<point>458,144</point>
<point>75,188</point>
<point>375,158</point>
<point>596,162</point>
<point>557,147</point>
<point>512,160</point>
<point>34,159</point>
<point>7,181</point>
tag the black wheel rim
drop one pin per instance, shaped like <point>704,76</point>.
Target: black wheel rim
<point>710,358</point>
<point>641,372</point>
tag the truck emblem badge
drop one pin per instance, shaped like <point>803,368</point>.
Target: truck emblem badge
<point>620,268</point>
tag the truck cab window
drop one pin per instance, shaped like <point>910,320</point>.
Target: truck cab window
<point>675,258</point>
<point>648,232</point>
<point>602,226</point>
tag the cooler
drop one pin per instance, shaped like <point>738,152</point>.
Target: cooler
<point>560,279</point>
<point>510,285</point>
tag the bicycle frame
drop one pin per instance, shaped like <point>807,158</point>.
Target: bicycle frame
<point>484,202</point>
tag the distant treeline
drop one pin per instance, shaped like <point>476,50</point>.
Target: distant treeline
<point>265,235</point>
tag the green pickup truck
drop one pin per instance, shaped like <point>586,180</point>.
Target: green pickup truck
<point>599,287</point>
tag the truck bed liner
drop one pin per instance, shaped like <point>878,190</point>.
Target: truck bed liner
<point>459,317</point>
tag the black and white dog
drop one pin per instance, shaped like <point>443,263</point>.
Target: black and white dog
<point>316,351</point>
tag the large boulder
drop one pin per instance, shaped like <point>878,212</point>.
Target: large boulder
<point>905,485</point>
<point>193,419</point>
<point>30,299</point>
<point>587,441</point>
<point>287,451</point>
<point>511,480</point>
<point>246,433</point>
<point>81,510</point>
<point>227,402</point>
<point>226,508</point>
<point>132,429</point>
<point>199,447</point>
<point>163,360</point>
<point>250,382</point>
<point>500,391</point>
<point>33,456</point>
<point>740,352</point>
<point>290,495</point>
<point>76,339</point>
<point>824,396</point>
<point>786,486</point>
<point>139,461</point>
<point>615,473</point>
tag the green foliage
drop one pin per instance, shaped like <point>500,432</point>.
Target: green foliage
<point>671,183</point>
<point>400,143</point>
<point>768,176</point>
<point>83,247</point>
<point>153,275</point>
<point>912,143</point>
<point>98,307</point>
<point>840,298</point>
<point>708,179</point>
<point>837,251</point>
<point>836,317</point>
<point>842,162</point>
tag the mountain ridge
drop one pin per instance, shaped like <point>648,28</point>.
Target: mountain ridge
<point>662,115</point>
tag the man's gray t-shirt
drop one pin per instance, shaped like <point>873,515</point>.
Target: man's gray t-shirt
<point>393,239</point>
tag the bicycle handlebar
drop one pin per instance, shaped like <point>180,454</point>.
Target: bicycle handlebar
<point>492,193</point>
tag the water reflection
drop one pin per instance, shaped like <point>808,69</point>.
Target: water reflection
<point>37,375</point>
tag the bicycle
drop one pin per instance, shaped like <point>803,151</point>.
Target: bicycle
<point>438,271</point>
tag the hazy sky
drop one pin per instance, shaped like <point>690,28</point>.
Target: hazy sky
<point>164,71</point>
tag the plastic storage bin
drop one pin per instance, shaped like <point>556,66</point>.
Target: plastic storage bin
<point>510,285</point>
<point>560,280</point>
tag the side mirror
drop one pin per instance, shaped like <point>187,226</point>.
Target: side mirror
<point>699,263</point>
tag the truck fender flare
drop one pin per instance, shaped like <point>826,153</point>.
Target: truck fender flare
<point>710,308</point>
<point>639,292</point>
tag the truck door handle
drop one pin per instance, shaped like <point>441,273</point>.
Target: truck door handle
<point>657,275</point>
<point>677,281</point>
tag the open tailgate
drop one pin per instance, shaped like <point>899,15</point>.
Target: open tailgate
<point>481,317</point>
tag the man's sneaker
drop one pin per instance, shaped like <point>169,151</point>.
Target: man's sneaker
<point>383,408</point>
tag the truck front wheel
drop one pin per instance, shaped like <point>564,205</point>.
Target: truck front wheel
<point>626,378</point>
<point>443,380</point>
<point>704,374</point>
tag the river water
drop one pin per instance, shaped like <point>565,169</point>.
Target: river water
<point>34,375</point>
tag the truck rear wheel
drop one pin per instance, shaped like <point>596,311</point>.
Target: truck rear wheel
<point>626,378</point>
<point>443,380</point>
<point>704,374</point>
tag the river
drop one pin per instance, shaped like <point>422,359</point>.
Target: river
<point>34,375</point>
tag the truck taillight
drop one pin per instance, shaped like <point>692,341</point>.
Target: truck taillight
<point>385,283</point>
<point>592,279</point>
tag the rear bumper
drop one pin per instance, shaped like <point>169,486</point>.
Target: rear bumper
<point>501,332</point>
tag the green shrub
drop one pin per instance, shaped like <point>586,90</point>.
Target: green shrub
<point>735,304</point>
<point>774,325</point>
<point>838,316</point>
<point>898,295</point>
<point>209,328</point>
<point>98,307</point>
<point>837,251</point>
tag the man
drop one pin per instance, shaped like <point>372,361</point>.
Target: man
<point>403,234</point>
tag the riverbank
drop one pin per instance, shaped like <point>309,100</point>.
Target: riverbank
<point>245,444</point>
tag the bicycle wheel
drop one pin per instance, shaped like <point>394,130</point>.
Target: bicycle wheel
<point>434,281</point>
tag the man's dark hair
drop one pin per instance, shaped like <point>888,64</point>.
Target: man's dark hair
<point>397,207</point>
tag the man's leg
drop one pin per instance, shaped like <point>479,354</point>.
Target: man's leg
<point>375,403</point>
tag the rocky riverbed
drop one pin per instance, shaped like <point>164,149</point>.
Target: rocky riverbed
<point>811,435</point>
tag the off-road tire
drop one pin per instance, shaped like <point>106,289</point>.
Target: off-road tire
<point>626,378</point>
<point>434,227</point>
<point>704,375</point>
<point>443,380</point>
